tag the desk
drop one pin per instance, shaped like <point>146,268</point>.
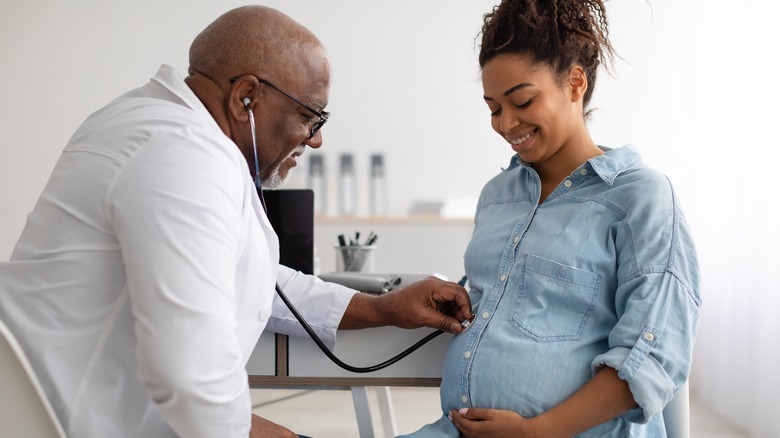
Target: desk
<point>297,363</point>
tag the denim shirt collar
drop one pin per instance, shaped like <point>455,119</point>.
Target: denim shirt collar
<point>607,166</point>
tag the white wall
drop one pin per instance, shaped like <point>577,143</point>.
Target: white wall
<point>695,91</point>
<point>405,83</point>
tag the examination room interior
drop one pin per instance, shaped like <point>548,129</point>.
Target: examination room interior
<point>692,89</point>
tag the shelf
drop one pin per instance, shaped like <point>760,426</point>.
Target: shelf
<point>409,219</point>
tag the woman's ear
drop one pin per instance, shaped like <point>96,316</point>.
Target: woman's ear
<point>578,83</point>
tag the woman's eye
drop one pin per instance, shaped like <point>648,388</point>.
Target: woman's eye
<point>496,112</point>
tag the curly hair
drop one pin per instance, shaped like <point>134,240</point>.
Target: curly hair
<point>557,33</point>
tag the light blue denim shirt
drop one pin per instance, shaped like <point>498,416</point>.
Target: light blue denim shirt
<point>602,273</point>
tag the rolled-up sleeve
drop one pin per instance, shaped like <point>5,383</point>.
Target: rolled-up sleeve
<point>652,344</point>
<point>657,303</point>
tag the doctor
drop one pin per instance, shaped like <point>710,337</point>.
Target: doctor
<point>146,272</point>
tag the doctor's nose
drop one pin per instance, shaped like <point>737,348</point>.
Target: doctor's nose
<point>316,141</point>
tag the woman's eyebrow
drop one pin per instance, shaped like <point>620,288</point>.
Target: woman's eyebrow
<point>512,89</point>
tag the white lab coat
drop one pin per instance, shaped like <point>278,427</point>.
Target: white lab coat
<point>145,274</point>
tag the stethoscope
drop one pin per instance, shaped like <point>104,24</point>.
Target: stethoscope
<point>466,324</point>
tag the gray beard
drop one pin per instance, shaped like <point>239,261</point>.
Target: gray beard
<point>274,181</point>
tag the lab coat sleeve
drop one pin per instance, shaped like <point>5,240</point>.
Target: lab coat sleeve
<point>321,304</point>
<point>176,216</point>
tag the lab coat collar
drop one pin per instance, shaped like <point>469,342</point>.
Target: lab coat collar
<point>168,84</point>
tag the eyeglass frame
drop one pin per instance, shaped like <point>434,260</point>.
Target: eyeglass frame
<point>323,115</point>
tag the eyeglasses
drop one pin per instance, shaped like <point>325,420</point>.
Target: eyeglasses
<point>322,115</point>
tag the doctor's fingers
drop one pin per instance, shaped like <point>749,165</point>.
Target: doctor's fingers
<point>453,300</point>
<point>445,296</point>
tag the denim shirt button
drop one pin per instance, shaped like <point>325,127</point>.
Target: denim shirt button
<point>485,315</point>
<point>583,171</point>
<point>464,399</point>
<point>517,239</point>
<point>503,277</point>
<point>649,337</point>
<point>567,183</point>
<point>467,354</point>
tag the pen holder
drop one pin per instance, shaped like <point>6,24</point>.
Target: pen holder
<point>355,258</point>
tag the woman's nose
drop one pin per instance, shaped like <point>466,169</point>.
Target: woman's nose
<point>508,122</point>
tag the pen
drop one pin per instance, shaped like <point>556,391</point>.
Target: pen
<point>344,251</point>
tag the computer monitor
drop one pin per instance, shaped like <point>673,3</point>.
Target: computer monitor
<point>291,213</point>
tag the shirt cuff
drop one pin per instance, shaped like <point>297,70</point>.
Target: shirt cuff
<point>322,305</point>
<point>650,385</point>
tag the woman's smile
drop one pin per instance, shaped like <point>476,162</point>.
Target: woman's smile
<point>522,143</point>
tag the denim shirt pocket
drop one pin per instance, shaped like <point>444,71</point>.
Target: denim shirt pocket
<point>555,300</point>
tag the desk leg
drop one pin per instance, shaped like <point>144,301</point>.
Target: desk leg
<point>388,414</point>
<point>362,411</point>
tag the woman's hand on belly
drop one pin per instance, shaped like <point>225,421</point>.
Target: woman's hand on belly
<point>491,423</point>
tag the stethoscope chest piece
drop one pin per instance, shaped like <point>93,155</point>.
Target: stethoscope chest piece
<point>467,323</point>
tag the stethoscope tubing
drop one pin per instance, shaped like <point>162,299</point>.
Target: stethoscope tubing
<point>338,361</point>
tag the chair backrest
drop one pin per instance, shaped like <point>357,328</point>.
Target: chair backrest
<point>677,414</point>
<point>24,409</point>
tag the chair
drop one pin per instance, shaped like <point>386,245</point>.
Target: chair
<point>677,414</point>
<point>24,409</point>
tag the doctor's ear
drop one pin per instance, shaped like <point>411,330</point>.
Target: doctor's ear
<point>241,97</point>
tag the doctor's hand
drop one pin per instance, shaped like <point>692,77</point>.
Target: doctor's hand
<point>431,302</point>
<point>262,428</point>
<point>491,423</point>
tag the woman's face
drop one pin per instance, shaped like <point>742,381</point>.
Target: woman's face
<point>529,107</point>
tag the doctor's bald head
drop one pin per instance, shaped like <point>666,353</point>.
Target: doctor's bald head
<point>256,40</point>
<point>265,79</point>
